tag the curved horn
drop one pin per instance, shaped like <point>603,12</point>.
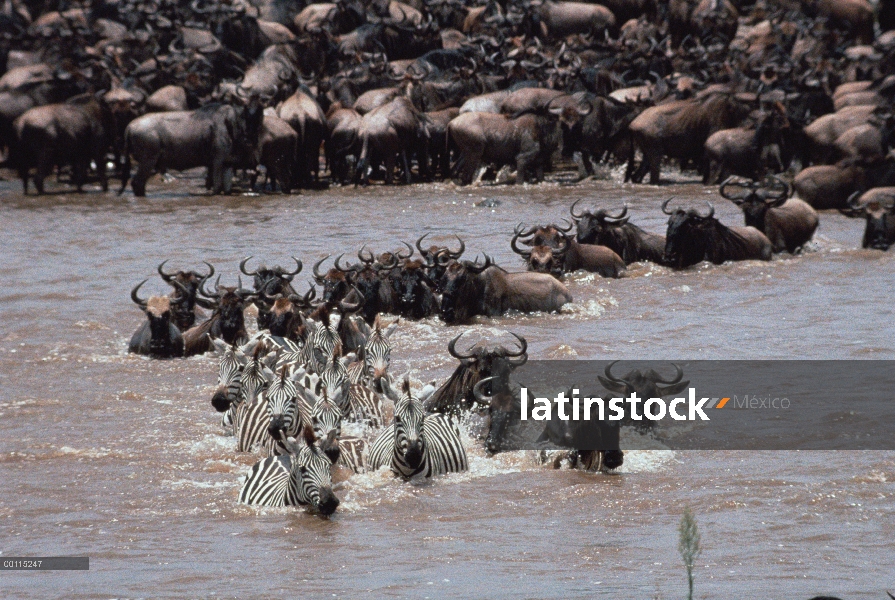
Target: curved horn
<point>567,229</point>
<point>677,377</point>
<point>316,268</point>
<point>298,267</point>
<point>136,298</point>
<point>572,210</point>
<point>215,295</point>
<point>369,260</point>
<point>474,267</point>
<point>345,307</point>
<point>452,349</point>
<point>409,247</point>
<point>665,204</point>
<point>422,252</point>
<point>166,276</point>
<point>608,372</point>
<point>210,270</point>
<point>620,215</point>
<point>784,194</point>
<point>731,181</point>
<point>340,267</point>
<point>711,211</point>
<point>479,394</point>
<point>853,200</point>
<point>523,346</point>
<point>458,253</point>
<point>526,254</point>
<point>242,267</point>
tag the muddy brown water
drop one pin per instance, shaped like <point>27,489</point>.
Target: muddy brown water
<point>122,458</point>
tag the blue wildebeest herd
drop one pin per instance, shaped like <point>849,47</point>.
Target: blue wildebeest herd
<point>313,364</point>
<point>310,94</point>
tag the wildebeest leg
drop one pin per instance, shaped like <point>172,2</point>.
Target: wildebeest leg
<point>406,166</point>
<point>227,179</point>
<point>44,168</point>
<point>390,162</point>
<point>144,172</point>
<point>23,175</point>
<point>216,176</point>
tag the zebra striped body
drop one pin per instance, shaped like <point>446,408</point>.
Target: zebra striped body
<point>284,418</point>
<point>365,405</point>
<point>418,444</point>
<point>302,477</point>
<point>250,415</point>
<point>351,453</point>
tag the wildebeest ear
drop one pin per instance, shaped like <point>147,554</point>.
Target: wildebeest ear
<point>677,388</point>
<point>220,346</point>
<point>270,359</point>
<point>391,328</point>
<point>390,392</point>
<point>427,392</point>
<point>618,387</point>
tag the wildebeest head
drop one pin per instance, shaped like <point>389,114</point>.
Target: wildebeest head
<point>598,227</point>
<point>879,231</point>
<point>462,290</point>
<point>229,304</point>
<point>689,235</point>
<point>412,285</point>
<point>336,282</point>
<point>479,362</point>
<point>284,311</point>
<point>755,198</point>
<point>543,257</point>
<point>272,281</point>
<point>164,338</point>
<point>647,384</point>
<point>438,257</point>
<point>186,285</point>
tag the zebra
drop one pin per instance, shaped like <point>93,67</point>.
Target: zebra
<point>285,419</point>
<point>417,444</point>
<point>250,415</point>
<point>229,373</point>
<point>301,477</point>
<point>326,417</point>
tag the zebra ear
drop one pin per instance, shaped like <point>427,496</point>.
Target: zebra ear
<point>427,392</point>
<point>291,445</point>
<point>249,347</point>
<point>349,358</point>
<point>270,359</point>
<point>268,374</point>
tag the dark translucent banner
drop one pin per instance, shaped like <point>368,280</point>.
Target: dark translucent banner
<point>697,405</point>
<point>45,563</point>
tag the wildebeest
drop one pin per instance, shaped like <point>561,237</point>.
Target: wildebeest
<point>705,20</point>
<point>270,281</point>
<point>679,129</point>
<point>306,117</point>
<point>212,136</point>
<point>646,384</point>
<point>414,292</point>
<point>73,133</point>
<point>393,129</point>
<point>745,152</point>
<point>186,286</point>
<point>878,208</point>
<point>470,289</point>
<point>554,251</point>
<point>157,337</point>
<point>227,322</point>
<point>560,19</point>
<point>692,238</point>
<point>788,222</point>
<point>627,240</point>
<point>526,141</point>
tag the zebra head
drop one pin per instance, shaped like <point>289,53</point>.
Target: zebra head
<point>255,376</point>
<point>334,378</point>
<point>229,374</point>
<point>282,405</point>
<point>326,418</point>
<point>409,416</point>
<point>378,350</point>
<point>312,473</point>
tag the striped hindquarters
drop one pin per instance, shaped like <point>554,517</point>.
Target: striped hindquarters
<point>351,453</point>
<point>269,483</point>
